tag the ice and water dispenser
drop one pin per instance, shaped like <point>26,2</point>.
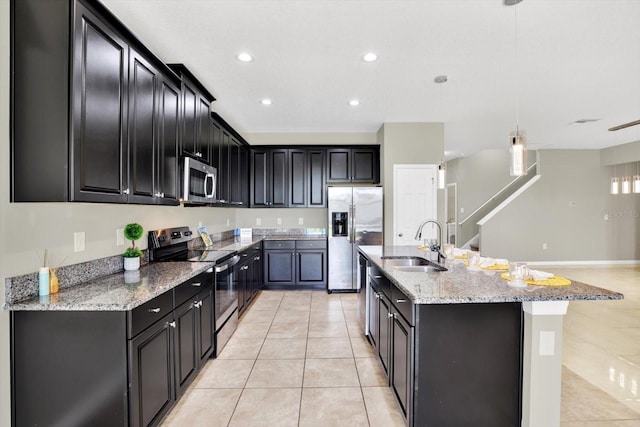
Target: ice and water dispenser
<point>339,221</point>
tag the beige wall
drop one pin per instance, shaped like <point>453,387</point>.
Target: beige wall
<point>566,210</point>
<point>407,143</point>
<point>311,217</point>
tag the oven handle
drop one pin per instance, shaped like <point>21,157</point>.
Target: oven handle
<point>230,263</point>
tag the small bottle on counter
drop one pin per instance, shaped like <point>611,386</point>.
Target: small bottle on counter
<point>43,280</point>
<point>53,281</point>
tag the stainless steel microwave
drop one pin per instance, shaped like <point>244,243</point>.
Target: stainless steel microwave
<point>199,182</point>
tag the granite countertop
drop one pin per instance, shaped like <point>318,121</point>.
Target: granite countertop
<point>116,292</point>
<point>459,285</point>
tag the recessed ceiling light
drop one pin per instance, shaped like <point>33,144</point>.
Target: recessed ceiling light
<point>370,57</point>
<point>440,79</point>
<point>266,101</point>
<point>244,57</point>
<point>354,102</point>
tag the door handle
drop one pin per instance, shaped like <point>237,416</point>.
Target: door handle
<point>400,235</point>
<point>154,310</point>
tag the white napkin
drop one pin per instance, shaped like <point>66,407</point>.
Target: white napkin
<point>459,252</point>
<point>502,261</point>
<point>540,275</point>
<point>486,262</point>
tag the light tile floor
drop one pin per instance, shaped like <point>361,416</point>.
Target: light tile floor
<point>299,358</point>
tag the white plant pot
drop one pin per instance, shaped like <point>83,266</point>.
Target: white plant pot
<point>132,264</point>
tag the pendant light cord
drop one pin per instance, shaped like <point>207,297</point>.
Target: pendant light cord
<point>515,11</point>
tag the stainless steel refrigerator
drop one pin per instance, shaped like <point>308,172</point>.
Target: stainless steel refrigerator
<point>355,218</point>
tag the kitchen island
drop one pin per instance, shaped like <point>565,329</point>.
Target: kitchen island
<point>461,347</point>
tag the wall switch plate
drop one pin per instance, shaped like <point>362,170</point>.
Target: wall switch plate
<point>119,237</point>
<point>547,345</point>
<point>606,216</point>
<point>544,246</point>
<point>279,221</point>
<point>78,241</point>
<point>258,221</point>
<point>461,210</point>
<point>300,221</point>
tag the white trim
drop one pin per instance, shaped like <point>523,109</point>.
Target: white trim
<point>490,199</point>
<point>509,199</point>
<point>545,308</point>
<point>586,263</point>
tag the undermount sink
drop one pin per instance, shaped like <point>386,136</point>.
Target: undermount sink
<point>412,264</point>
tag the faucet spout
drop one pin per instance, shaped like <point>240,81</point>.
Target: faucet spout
<point>419,236</point>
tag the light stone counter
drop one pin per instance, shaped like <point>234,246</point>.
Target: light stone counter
<point>116,292</point>
<point>459,285</point>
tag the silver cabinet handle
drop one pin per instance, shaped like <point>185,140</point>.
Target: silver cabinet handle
<point>154,310</point>
<point>395,315</point>
<point>377,277</point>
<point>125,191</point>
<point>390,315</point>
<point>172,324</point>
<point>256,258</point>
<point>244,267</point>
<point>377,296</point>
<point>198,304</point>
<point>196,284</point>
<point>245,255</point>
<point>401,300</point>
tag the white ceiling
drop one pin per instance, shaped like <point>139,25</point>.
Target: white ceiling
<point>577,59</point>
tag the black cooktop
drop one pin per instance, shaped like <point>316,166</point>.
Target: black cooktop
<point>171,244</point>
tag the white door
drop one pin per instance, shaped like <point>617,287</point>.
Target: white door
<point>414,201</point>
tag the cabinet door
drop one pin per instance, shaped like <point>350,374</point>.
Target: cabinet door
<point>259,182</point>
<point>298,178</point>
<point>100,79</point>
<point>316,178</point>
<point>205,325</point>
<point>189,119</point>
<point>203,126</point>
<point>143,84</point>
<point>168,170</point>
<point>279,268</point>
<point>365,165</point>
<point>151,373</point>
<point>401,361</point>
<point>256,272</point>
<point>384,328</point>
<point>235,182</point>
<point>374,318</point>
<point>186,336</point>
<point>244,290</point>
<point>279,179</point>
<point>224,172</point>
<point>311,267</point>
<point>244,176</point>
<point>338,165</point>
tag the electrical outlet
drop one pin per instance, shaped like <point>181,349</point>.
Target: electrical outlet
<point>461,210</point>
<point>300,221</point>
<point>119,237</point>
<point>78,241</point>
<point>258,221</point>
<point>228,222</point>
<point>572,204</point>
<point>544,246</point>
<point>279,221</point>
<point>199,223</point>
<point>606,216</point>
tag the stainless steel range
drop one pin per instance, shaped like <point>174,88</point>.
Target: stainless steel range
<point>171,244</point>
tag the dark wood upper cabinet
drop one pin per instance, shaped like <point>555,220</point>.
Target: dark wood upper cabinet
<point>298,183</point>
<point>196,133</point>
<point>168,179</point>
<point>101,88</point>
<point>230,157</point>
<point>316,178</point>
<point>269,178</point>
<point>357,164</point>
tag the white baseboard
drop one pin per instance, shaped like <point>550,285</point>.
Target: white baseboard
<point>586,263</point>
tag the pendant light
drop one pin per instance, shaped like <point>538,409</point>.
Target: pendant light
<point>442,175</point>
<point>626,185</point>
<point>636,183</point>
<point>615,182</point>
<point>517,139</point>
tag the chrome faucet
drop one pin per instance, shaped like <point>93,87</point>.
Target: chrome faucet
<point>441,255</point>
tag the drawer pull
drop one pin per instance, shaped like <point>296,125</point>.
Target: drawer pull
<point>401,300</point>
<point>377,277</point>
<point>154,310</point>
<point>390,315</point>
<point>245,255</point>
<point>244,267</point>
<point>198,304</point>
<point>196,284</point>
<point>172,324</point>
<point>256,258</point>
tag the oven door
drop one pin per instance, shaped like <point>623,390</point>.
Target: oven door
<point>226,291</point>
<point>199,182</point>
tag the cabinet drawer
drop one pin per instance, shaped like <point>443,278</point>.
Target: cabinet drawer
<point>402,303</point>
<point>382,283</point>
<point>192,286</point>
<point>140,318</point>
<point>279,244</point>
<point>311,244</point>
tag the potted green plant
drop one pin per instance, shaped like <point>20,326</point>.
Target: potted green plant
<point>132,255</point>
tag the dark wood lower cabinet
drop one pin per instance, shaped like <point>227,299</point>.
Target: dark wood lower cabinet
<point>299,263</point>
<point>110,368</point>
<point>448,364</point>
<point>151,373</point>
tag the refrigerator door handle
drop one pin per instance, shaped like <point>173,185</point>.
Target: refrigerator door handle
<point>353,224</point>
